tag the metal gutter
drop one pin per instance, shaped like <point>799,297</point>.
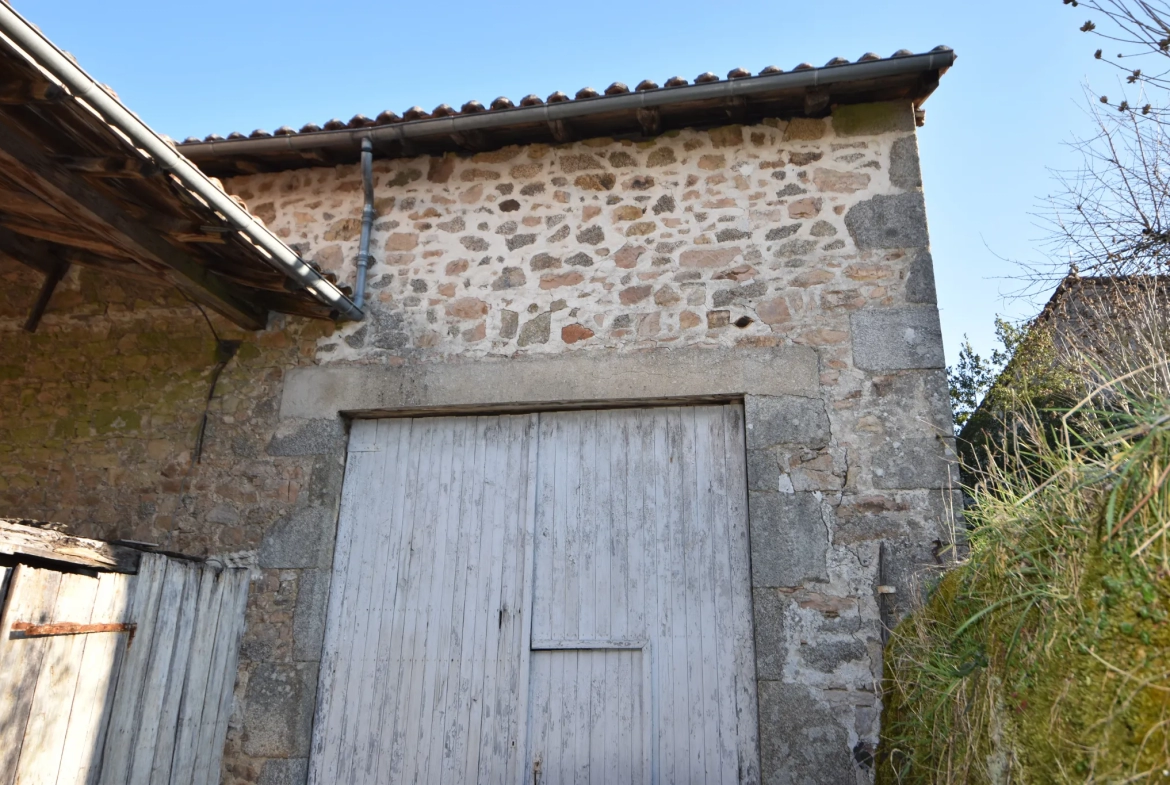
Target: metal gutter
<point>56,64</point>
<point>416,130</point>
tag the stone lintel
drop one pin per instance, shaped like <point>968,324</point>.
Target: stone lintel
<point>581,378</point>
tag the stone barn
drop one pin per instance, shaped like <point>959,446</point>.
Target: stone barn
<point>595,436</point>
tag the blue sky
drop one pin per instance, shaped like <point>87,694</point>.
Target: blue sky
<point>997,126</point>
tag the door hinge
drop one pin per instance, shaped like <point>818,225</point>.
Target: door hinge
<point>31,630</point>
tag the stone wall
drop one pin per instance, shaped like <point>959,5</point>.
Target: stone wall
<point>736,236</point>
<point>786,263</point>
<point>101,410</point>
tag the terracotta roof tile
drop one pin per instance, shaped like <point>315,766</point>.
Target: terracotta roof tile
<point>502,103</point>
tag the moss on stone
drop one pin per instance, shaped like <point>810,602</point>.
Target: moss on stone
<point>871,119</point>
<point>1085,693</point>
<point>1045,657</point>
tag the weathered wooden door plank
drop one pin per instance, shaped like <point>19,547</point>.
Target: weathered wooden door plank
<point>173,684</point>
<point>48,721</point>
<point>427,630</point>
<point>641,536</point>
<point>100,662</point>
<point>225,665</point>
<point>31,597</point>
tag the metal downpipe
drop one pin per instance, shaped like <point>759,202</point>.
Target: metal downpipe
<point>363,260</point>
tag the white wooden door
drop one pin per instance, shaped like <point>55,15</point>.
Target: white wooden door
<point>118,679</point>
<point>588,717</point>
<point>550,599</point>
<point>642,544</point>
<point>426,651</point>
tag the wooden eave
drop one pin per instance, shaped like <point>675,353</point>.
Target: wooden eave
<point>73,190</point>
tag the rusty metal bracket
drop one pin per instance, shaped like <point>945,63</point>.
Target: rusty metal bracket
<point>31,630</point>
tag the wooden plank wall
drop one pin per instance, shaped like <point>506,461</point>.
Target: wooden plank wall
<point>114,707</point>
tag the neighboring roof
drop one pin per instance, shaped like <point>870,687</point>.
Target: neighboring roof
<point>1073,312</point>
<point>80,184</point>
<point>648,110</point>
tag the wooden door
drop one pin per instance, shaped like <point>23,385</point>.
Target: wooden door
<point>552,599</point>
<point>118,679</point>
<point>426,639</point>
<point>641,546</point>
<point>588,718</point>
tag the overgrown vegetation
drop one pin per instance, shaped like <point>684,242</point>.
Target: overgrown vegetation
<point>1045,656</point>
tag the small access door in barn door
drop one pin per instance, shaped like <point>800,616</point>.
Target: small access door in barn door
<point>551,598</point>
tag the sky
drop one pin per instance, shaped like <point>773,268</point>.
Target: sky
<point>996,129</point>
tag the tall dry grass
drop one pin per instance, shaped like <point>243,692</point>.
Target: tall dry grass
<point>1045,656</point>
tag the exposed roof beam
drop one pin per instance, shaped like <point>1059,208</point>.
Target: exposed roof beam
<point>42,176</point>
<point>30,43</point>
<point>20,93</point>
<point>108,166</point>
<point>52,278</point>
<point>42,256</point>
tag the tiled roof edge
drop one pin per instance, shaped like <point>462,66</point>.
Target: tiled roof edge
<point>444,121</point>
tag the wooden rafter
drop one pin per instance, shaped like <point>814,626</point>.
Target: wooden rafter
<point>20,93</point>
<point>107,166</point>
<point>52,278</point>
<point>42,256</point>
<point>47,179</point>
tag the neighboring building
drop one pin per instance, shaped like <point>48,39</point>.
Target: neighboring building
<point>1093,330</point>
<point>694,422</point>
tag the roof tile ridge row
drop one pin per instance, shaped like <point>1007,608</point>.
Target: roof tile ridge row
<point>502,103</point>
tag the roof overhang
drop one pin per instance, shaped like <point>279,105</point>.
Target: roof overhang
<point>84,181</point>
<point>807,91</point>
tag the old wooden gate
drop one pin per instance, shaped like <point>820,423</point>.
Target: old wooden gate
<point>109,678</point>
<point>547,598</point>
